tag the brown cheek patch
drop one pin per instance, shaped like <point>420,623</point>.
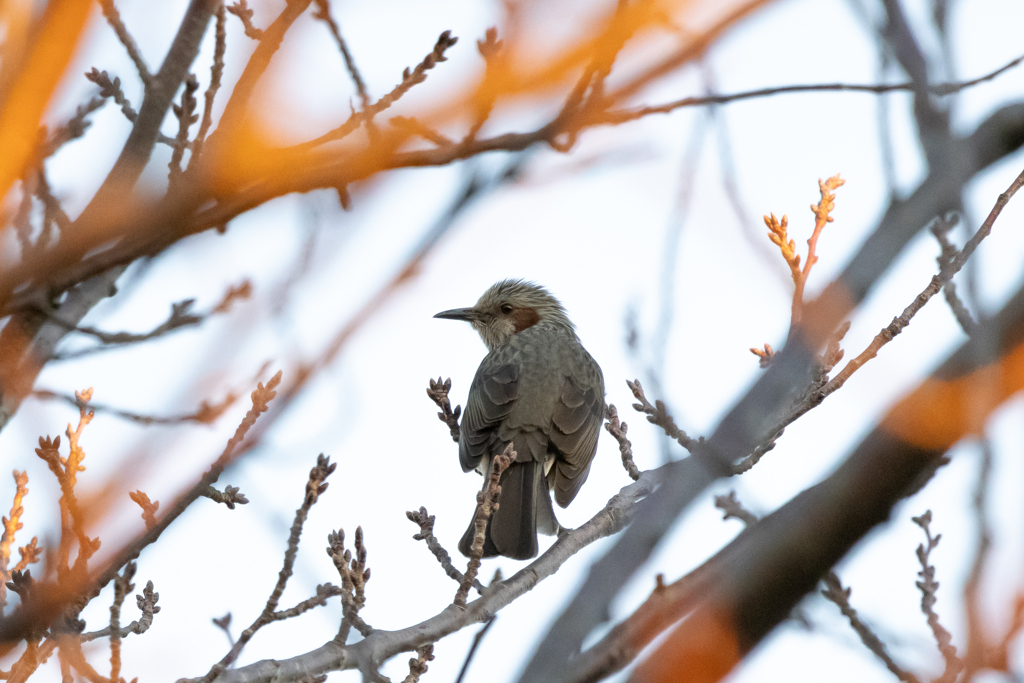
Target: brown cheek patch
<point>525,317</point>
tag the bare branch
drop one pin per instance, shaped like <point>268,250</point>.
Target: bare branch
<point>928,586</point>
<point>216,73</point>
<point>657,415</point>
<point>835,592</point>
<point>323,13</point>
<point>114,19</point>
<point>426,524</point>
<point>616,117</point>
<point>315,486</point>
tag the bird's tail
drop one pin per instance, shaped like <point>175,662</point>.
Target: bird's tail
<point>524,500</point>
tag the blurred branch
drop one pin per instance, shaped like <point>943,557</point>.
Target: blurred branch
<point>206,414</point>
<point>929,586</point>
<point>472,648</point>
<point>323,13</point>
<point>181,316</point>
<point>615,117</point>
<point>111,89</point>
<point>216,73</point>
<point>241,10</point>
<point>114,19</point>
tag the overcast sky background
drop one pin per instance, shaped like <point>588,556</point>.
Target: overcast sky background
<point>592,226</point>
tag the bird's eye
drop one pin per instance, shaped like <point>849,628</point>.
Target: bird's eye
<point>506,308</point>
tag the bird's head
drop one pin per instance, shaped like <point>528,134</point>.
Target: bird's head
<point>509,307</point>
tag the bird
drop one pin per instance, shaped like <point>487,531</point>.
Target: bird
<point>539,390</point>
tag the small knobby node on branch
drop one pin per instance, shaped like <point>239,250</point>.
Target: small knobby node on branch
<point>486,504</point>
<point>241,10</point>
<point>230,497</point>
<point>149,508</point>
<point>418,664</point>
<point>438,393</point>
<point>731,508</point>
<point>426,524</point>
<point>764,356</point>
<point>928,587</point>
<point>618,431</point>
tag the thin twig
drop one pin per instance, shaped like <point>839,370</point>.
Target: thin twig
<point>658,415</point>
<point>185,113</point>
<point>11,526</point>
<point>146,604</point>
<point>835,592</point>
<point>114,19</point>
<point>940,228</point>
<point>616,117</point>
<point>315,486</point>
<point>409,79</point>
<point>324,14</point>
<point>486,504</point>
<point>473,648</point>
<point>207,413</point>
<point>122,586</point>
<point>618,431</point>
<point>928,586</point>
<point>182,315</point>
<point>426,524</point>
<point>216,73</point>
<point>354,574</point>
<point>112,89</point>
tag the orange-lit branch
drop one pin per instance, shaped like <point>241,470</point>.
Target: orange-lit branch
<point>778,235</point>
<point>11,526</point>
<point>33,81</point>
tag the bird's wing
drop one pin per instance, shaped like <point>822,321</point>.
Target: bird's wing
<point>577,420</point>
<point>491,397</point>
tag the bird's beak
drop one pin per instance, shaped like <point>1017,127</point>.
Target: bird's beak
<point>467,314</point>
